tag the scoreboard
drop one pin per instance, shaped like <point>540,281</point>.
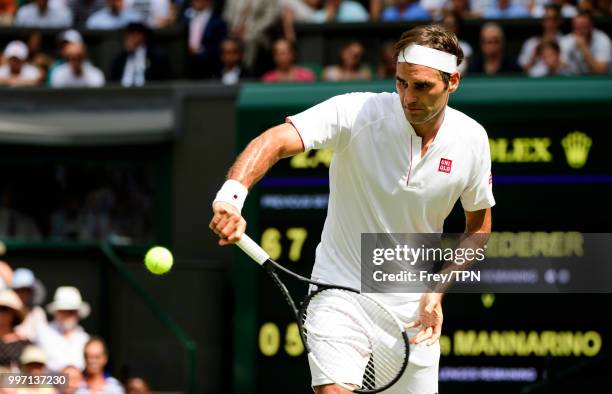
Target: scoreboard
<point>552,174</point>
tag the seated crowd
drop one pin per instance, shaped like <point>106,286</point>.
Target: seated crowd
<point>256,40</point>
<point>30,344</point>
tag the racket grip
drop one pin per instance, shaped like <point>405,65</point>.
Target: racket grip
<point>253,250</point>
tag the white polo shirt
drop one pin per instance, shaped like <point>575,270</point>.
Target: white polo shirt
<point>378,181</point>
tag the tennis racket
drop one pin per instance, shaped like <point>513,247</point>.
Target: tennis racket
<point>376,343</point>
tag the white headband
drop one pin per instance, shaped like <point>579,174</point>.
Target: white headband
<point>418,54</point>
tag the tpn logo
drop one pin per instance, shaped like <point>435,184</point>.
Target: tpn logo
<point>576,145</point>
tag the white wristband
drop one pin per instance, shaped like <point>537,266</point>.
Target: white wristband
<point>233,193</point>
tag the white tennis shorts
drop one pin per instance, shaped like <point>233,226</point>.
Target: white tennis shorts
<point>348,342</point>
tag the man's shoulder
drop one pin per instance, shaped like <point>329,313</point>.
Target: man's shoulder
<point>371,106</point>
<point>600,37</point>
<point>464,125</point>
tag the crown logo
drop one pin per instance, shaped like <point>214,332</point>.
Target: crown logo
<point>576,145</point>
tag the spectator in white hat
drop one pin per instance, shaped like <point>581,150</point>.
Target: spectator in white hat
<point>77,71</point>
<point>44,14</point>
<point>32,293</point>
<point>63,340</point>
<point>11,314</point>
<point>16,71</point>
<point>34,363</point>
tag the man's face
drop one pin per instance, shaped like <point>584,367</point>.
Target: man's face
<point>551,19</point>
<point>230,54</point>
<point>352,55</point>
<point>132,40</point>
<point>15,65</point>
<point>200,5</point>
<point>583,26</point>
<point>550,57</point>
<point>422,91</point>
<point>25,294</point>
<point>95,358</point>
<point>491,42</point>
<point>74,380</point>
<point>283,55</point>
<point>34,368</point>
<point>115,5</point>
<point>67,319</point>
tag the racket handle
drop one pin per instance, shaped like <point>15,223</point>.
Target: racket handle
<point>251,248</point>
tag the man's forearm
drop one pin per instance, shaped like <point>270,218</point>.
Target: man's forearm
<point>263,152</point>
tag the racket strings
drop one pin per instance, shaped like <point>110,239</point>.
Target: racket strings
<point>353,339</point>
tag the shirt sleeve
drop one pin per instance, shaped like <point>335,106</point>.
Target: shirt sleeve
<point>329,124</point>
<point>601,51</point>
<point>479,192</point>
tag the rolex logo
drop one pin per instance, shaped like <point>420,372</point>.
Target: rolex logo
<point>576,146</point>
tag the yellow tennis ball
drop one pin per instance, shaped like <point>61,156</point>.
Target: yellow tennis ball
<point>158,260</point>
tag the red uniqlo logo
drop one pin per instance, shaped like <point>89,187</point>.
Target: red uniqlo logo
<point>445,165</point>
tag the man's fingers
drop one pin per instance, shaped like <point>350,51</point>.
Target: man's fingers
<point>237,234</point>
<point>437,331</point>
<point>423,335</point>
<point>414,323</point>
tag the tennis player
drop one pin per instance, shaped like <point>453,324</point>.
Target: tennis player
<point>401,161</point>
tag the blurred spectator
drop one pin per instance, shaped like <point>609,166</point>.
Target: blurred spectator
<point>136,385</point>
<point>598,7</point>
<point>530,58</point>
<point>75,383</point>
<point>14,224</point>
<point>64,38</point>
<point>83,9</point>
<point>301,11</point>
<point>43,14</point>
<point>506,9</point>
<point>350,67</point>
<point>386,66</point>
<point>17,72</point>
<point>463,9</point>
<point>140,61</point>
<point>405,10</point>
<point>31,292</point>
<point>96,379</point>
<point>7,12</point>
<point>206,32</point>
<point>568,9</point>
<point>114,16</point>
<point>249,21</point>
<point>232,69</point>
<point>33,360</point>
<point>585,50</point>
<point>11,314</point>
<point>493,59</point>
<point>77,71</point>
<point>452,21</point>
<point>154,13</point>
<point>341,11</point>
<point>6,272</point>
<point>33,363</point>
<point>37,57</point>
<point>63,340</point>
<point>286,70</point>
<point>551,59</point>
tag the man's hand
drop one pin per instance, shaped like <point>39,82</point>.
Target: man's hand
<point>429,320</point>
<point>227,223</point>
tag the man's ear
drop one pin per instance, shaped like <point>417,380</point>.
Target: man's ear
<point>453,83</point>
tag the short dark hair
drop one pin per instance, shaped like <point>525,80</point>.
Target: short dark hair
<point>432,36</point>
<point>554,7</point>
<point>549,44</point>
